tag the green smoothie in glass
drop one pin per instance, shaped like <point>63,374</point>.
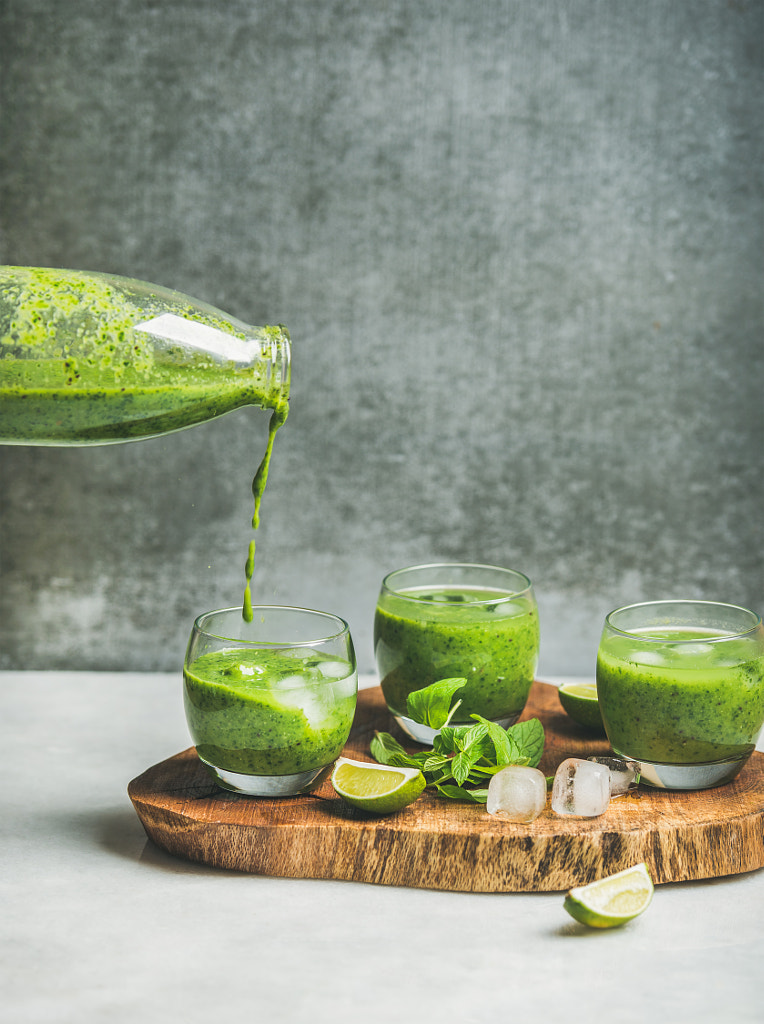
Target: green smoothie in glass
<point>268,716</point>
<point>267,713</point>
<point>457,620</point>
<point>681,687</point>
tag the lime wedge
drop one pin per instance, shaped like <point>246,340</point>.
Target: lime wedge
<point>580,701</point>
<point>374,787</point>
<point>612,901</point>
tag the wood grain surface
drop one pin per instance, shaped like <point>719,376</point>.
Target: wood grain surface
<point>441,844</point>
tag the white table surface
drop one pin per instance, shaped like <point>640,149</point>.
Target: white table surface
<point>98,925</point>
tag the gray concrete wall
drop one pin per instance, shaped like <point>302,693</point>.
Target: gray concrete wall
<point>518,245</point>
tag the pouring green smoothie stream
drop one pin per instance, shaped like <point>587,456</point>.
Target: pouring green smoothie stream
<point>88,358</point>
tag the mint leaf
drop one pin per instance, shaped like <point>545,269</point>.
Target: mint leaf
<point>431,705</point>
<point>451,739</point>
<point>435,763</point>
<point>475,796</point>
<point>528,740</point>
<point>445,741</point>
<point>387,750</point>
<point>461,766</point>
<point>502,744</point>
<point>472,737</point>
<point>479,770</point>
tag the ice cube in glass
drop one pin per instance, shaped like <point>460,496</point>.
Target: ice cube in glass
<point>581,788</point>
<point>517,793</point>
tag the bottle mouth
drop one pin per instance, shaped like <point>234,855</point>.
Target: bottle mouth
<point>286,363</point>
<point>279,360</point>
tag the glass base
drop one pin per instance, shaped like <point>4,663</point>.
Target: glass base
<point>426,734</point>
<point>268,785</point>
<point>688,776</point>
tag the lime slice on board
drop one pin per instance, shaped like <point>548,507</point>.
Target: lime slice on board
<point>579,700</point>
<point>376,788</point>
<point>612,901</point>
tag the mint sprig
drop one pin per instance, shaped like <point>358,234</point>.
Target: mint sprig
<point>463,758</point>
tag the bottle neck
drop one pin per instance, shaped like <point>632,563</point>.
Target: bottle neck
<point>277,351</point>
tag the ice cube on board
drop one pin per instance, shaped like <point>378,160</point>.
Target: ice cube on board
<point>581,788</point>
<point>517,793</point>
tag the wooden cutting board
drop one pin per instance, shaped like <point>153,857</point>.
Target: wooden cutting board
<point>436,843</point>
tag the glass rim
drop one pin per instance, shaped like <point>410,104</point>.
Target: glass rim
<point>507,595</point>
<point>217,635</point>
<point>696,602</point>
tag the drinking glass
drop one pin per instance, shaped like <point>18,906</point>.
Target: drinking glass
<point>681,689</point>
<point>450,620</point>
<point>269,703</point>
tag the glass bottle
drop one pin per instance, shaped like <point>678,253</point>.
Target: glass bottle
<point>90,358</point>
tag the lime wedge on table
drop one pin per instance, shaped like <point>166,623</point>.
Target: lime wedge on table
<point>375,787</point>
<point>580,701</point>
<point>612,901</point>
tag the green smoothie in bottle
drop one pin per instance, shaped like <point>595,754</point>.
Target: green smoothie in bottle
<point>90,358</point>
